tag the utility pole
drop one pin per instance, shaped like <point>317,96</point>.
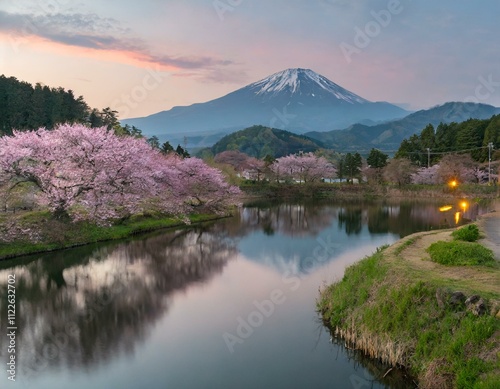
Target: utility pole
<point>428,157</point>
<point>490,147</point>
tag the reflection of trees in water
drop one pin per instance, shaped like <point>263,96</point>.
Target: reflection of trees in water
<point>351,219</point>
<point>289,219</point>
<point>298,220</point>
<point>81,307</point>
<point>113,294</point>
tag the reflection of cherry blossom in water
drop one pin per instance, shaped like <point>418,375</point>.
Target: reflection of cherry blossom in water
<point>88,306</point>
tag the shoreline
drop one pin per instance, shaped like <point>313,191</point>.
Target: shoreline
<point>84,234</point>
<point>75,235</point>
<point>394,306</point>
<point>342,191</point>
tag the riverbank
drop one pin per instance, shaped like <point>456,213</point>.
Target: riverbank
<point>400,307</point>
<point>365,191</point>
<point>43,233</point>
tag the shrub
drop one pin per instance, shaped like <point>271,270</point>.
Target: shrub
<point>458,253</point>
<point>469,233</point>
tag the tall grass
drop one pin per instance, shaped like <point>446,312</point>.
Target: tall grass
<point>398,320</point>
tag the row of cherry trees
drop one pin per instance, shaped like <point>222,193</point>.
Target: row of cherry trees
<point>378,168</point>
<point>459,167</point>
<point>94,174</point>
<point>305,167</point>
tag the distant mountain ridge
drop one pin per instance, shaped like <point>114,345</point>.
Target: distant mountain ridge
<point>388,136</point>
<point>297,100</point>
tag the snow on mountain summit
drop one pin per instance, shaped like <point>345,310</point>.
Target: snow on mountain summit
<point>302,81</point>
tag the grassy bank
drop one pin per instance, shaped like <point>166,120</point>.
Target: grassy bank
<point>398,306</point>
<point>53,234</point>
<point>363,191</point>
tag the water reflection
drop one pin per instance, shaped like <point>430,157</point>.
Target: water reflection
<point>297,231</point>
<point>402,218</point>
<point>81,307</point>
<point>84,308</point>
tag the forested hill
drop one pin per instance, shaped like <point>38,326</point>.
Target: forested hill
<point>259,141</point>
<point>388,136</point>
<point>471,136</point>
<point>24,106</point>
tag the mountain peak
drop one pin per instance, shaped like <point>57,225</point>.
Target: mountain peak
<point>303,82</point>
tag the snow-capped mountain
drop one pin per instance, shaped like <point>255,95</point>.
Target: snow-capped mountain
<point>297,100</point>
<point>302,82</point>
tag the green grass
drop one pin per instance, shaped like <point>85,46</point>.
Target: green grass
<point>459,253</point>
<point>437,343</point>
<point>469,233</point>
<point>60,234</point>
<point>405,244</point>
<point>360,277</point>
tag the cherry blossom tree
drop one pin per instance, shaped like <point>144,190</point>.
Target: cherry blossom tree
<point>91,173</point>
<point>235,158</point>
<point>451,167</point>
<point>399,170</point>
<point>303,168</point>
<point>426,175</point>
<point>247,166</point>
<point>459,167</point>
<point>201,187</point>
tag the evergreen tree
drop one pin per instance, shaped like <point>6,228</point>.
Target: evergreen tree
<point>352,166</point>
<point>377,159</point>
<point>181,152</point>
<point>166,148</point>
<point>445,137</point>
<point>154,142</point>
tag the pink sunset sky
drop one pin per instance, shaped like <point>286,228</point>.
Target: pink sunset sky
<point>142,57</point>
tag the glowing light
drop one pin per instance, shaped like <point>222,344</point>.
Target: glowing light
<point>464,205</point>
<point>445,208</point>
<point>453,183</point>
<point>457,217</point>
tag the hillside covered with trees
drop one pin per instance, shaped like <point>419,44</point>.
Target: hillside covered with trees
<point>469,137</point>
<point>27,107</point>
<point>259,141</point>
<point>24,106</point>
<point>389,135</point>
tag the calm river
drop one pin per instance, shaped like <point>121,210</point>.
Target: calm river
<point>228,304</point>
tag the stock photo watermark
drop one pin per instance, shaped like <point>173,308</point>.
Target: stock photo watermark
<point>281,118</point>
<point>139,93</point>
<point>11,327</point>
<point>223,6</point>
<point>364,36</point>
<point>484,89</point>
<point>246,326</point>
<point>57,343</point>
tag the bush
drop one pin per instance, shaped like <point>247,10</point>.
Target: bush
<point>458,253</point>
<point>469,233</point>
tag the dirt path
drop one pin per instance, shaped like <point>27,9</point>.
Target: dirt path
<point>409,256</point>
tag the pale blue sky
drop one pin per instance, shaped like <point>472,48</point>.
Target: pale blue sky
<point>145,56</point>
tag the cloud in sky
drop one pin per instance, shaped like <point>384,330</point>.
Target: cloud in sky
<point>93,32</point>
<point>429,53</point>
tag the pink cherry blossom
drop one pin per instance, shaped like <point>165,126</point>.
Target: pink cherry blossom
<point>93,174</point>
